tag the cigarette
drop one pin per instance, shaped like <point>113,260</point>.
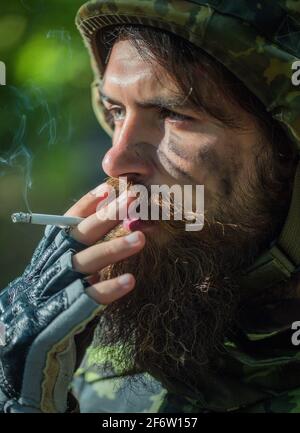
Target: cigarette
<point>44,219</point>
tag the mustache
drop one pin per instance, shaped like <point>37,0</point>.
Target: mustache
<point>160,203</point>
<point>163,203</point>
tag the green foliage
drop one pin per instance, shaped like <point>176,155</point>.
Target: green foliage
<point>50,143</point>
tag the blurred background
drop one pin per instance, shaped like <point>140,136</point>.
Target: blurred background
<point>51,145</point>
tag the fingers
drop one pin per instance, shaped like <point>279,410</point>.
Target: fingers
<point>93,279</point>
<point>88,203</point>
<point>95,226</point>
<point>101,255</point>
<point>110,290</point>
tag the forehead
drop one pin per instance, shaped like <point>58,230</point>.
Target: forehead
<point>127,70</point>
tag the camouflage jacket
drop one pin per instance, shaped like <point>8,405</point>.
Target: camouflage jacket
<point>259,372</point>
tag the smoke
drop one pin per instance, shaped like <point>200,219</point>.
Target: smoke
<point>25,106</point>
<point>20,158</point>
<point>50,125</point>
<point>63,37</point>
<point>32,119</point>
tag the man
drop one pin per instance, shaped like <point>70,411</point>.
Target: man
<point>193,93</point>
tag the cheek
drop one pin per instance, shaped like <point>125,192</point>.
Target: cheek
<point>222,169</point>
<point>204,159</point>
<point>215,162</point>
<point>194,155</point>
<point>213,157</point>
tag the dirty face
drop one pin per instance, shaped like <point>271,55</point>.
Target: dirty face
<point>162,138</point>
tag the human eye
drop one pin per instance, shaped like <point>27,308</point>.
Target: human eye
<point>114,115</point>
<point>117,113</point>
<point>172,116</point>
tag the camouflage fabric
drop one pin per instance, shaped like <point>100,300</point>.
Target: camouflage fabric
<point>259,369</point>
<point>100,387</point>
<point>260,51</point>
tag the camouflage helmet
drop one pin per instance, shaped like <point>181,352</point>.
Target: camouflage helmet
<point>260,43</point>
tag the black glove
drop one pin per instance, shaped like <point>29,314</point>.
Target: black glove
<point>42,313</point>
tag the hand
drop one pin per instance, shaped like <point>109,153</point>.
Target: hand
<point>52,305</point>
<point>91,260</point>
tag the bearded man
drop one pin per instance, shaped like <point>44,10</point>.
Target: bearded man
<point>192,93</point>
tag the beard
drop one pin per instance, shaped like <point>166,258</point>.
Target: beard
<point>185,303</point>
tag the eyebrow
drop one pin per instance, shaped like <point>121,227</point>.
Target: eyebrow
<point>169,103</point>
<point>217,114</point>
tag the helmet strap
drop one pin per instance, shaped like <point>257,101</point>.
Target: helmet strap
<point>282,260</point>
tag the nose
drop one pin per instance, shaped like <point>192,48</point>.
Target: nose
<point>130,154</point>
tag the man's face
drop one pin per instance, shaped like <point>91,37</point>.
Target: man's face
<point>160,139</point>
<point>184,303</point>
